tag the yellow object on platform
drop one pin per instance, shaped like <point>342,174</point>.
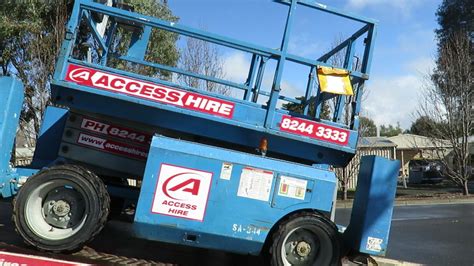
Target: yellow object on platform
<point>334,80</point>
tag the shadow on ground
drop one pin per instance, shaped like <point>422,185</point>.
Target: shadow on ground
<point>124,244</point>
<point>116,239</point>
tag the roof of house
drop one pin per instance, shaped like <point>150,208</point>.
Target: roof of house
<point>410,141</point>
<point>375,142</point>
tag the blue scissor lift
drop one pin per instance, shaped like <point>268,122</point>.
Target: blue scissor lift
<point>214,171</point>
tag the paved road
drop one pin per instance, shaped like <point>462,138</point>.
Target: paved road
<point>433,235</point>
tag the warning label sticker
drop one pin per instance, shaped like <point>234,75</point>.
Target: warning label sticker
<point>374,244</point>
<point>292,187</point>
<point>182,192</point>
<point>255,184</point>
<point>226,171</point>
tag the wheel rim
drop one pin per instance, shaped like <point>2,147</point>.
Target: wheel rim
<point>304,246</point>
<point>56,210</point>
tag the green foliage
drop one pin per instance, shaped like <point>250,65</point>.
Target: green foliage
<point>390,130</point>
<point>31,33</point>
<point>299,108</point>
<point>456,21</point>
<point>453,16</point>
<point>30,37</point>
<point>162,45</point>
<point>367,127</point>
<point>425,126</point>
<point>18,20</point>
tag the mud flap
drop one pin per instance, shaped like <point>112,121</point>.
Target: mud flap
<point>369,228</point>
<point>11,101</point>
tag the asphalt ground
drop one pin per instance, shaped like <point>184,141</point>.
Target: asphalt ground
<point>440,234</point>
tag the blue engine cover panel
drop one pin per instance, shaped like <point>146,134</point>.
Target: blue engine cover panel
<point>49,140</point>
<point>371,217</point>
<point>221,199</point>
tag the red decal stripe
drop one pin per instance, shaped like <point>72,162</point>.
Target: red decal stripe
<point>7,258</point>
<point>146,90</point>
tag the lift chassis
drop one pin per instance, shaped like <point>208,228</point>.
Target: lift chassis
<point>242,175</point>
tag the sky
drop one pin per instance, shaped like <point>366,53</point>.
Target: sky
<point>404,52</point>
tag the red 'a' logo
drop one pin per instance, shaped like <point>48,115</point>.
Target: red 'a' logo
<point>181,186</point>
<point>80,75</point>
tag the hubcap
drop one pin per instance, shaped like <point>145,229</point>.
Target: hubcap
<point>61,208</point>
<point>56,210</point>
<point>303,249</point>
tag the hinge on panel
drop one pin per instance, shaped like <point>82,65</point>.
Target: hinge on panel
<point>69,35</point>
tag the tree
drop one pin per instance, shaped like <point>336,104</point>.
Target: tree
<point>454,16</point>
<point>30,37</point>
<point>390,130</point>
<point>449,101</point>
<point>449,94</point>
<point>299,108</point>
<point>161,46</point>
<point>31,33</point>
<point>367,127</point>
<point>201,57</point>
<point>423,126</point>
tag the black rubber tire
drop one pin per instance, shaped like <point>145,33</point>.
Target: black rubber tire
<point>319,228</point>
<point>91,190</point>
<point>116,203</point>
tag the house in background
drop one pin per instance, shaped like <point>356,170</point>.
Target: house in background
<point>24,150</point>
<point>404,147</point>
<point>23,156</point>
<point>379,146</point>
<point>410,147</point>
